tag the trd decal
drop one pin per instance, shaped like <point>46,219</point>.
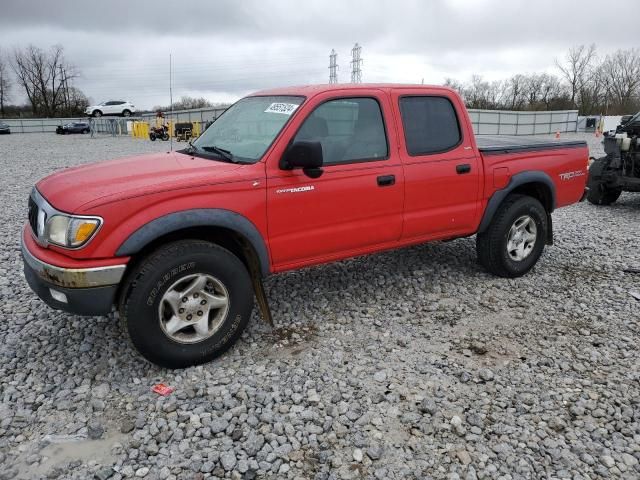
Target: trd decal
<point>570,175</point>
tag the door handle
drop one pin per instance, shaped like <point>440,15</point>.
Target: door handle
<point>463,168</point>
<point>386,180</point>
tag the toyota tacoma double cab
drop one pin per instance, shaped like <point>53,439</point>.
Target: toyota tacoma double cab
<point>179,242</point>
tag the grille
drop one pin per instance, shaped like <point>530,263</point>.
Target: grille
<point>33,216</point>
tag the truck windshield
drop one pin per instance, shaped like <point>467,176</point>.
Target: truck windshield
<point>248,127</point>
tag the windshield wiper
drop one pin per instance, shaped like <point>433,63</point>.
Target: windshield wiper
<point>226,154</point>
<point>220,152</point>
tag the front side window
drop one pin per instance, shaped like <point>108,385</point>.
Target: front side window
<point>430,124</point>
<point>247,128</point>
<point>349,129</point>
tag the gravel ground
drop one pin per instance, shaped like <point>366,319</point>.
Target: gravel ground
<point>407,364</point>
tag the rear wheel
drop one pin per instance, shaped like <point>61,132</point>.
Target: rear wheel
<point>97,113</point>
<point>126,113</point>
<point>513,242</point>
<point>186,303</point>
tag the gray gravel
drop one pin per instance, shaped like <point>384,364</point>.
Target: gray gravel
<point>407,364</point>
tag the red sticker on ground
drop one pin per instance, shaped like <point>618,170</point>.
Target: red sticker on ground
<point>162,389</point>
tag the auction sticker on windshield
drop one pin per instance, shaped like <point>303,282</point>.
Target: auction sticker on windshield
<point>285,108</point>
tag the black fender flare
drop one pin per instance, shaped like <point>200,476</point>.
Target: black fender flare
<point>519,179</point>
<point>200,217</point>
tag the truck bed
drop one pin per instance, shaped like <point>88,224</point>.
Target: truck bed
<point>493,144</point>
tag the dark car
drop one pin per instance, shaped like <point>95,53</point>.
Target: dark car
<point>73,127</point>
<point>4,129</point>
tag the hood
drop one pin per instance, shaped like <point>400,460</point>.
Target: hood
<point>103,182</point>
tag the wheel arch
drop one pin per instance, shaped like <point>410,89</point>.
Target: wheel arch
<point>535,184</point>
<point>228,229</point>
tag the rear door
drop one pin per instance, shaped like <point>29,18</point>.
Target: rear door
<point>357,202</point>
<point>442,169</point>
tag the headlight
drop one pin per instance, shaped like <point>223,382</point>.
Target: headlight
<point>71,232</point>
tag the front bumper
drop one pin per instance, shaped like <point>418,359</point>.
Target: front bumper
<point>82,291</point>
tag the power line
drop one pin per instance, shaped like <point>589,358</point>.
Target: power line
<point>333,67</point>
<point>356,62</point>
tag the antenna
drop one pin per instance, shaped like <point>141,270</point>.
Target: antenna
<point>333,67</point>
<point>170,103</point>
<point>356,61</point>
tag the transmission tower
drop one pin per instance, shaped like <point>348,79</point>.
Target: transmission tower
<point>333,67</point>
<point>356,63</point>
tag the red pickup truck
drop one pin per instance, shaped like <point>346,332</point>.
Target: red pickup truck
<point>180,241</point>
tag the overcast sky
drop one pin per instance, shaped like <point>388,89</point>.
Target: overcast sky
<point>225,49</point>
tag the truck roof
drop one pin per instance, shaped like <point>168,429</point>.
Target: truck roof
<point>311,90</point>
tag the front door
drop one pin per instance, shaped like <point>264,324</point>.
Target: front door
<point>357,202</point>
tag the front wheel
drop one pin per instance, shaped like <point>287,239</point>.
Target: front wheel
<point>126,113</point>
<point>515,238</point>
<point>165,136</point>
<point>186,303</point>
<point>152,137</point>
<point>97,113</point>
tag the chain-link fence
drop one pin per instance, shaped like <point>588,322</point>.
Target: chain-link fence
<point>508,122</point>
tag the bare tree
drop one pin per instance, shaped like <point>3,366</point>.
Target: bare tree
<point>551,92</point>
<point>44,76</point>
<point>620,73</point>
<point>576,68</point>
<point>5,83</point>
<point>454,84</point>
<point>186,103</point>
<point>533,86</point>
<point>516,92</point>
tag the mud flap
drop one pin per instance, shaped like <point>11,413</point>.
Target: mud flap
<point>258,286</point>
<point>261,298</point>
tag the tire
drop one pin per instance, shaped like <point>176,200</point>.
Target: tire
<point>85,131</point>
<point>165,136</point>
<point>495,245</point>
<point>152,137</point>
<point>96,113</point>
<point>599,194</point>
<point>126,113</point>
<point>157,287</point>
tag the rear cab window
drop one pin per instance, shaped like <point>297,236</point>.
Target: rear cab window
<point>430,124</point>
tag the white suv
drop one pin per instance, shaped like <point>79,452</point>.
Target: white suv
<point>112,107</point>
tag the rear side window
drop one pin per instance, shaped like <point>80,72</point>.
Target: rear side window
<point>430,124</point>
<point>349,129</point>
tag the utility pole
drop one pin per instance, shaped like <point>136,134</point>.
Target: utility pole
<point>333,67</point>
<point>170,103</point>
<point>356,62</point>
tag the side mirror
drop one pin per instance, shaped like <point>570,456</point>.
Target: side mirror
<point>305,155</point>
